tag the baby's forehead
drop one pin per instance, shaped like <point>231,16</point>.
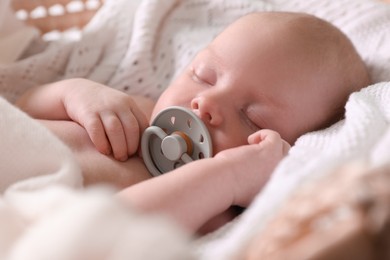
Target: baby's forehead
<point>285,23</point>
<point>279,19</point>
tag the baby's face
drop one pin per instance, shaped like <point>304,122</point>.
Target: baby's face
<point>249,79</point>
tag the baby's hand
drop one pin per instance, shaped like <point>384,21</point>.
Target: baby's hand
<point>111,118</point>
<point>253,164</point>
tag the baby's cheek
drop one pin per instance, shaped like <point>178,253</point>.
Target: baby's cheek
<point>223,141</point>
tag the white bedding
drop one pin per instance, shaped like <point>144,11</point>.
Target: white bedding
<point>138,47</point>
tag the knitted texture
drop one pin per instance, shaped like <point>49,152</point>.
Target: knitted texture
<point>134,46</point>
<point>139,46</point>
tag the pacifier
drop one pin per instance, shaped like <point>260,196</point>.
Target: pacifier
<point>176,137</point>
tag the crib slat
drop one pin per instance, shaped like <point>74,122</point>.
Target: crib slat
<point>48,21</point>
<point>68,20</point>
<point>30,5</point>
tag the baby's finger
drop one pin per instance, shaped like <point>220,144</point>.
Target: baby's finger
<point>132,131</point>
<point>262,135</point>
<point>286,147</point>
<point>97,134</point>
<point>143,122</point>
<point>115,134</point>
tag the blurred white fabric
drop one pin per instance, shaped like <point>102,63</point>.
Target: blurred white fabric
<point>138,47</point>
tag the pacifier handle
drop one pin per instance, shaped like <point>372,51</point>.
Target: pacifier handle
<point>177,136</point>
<point>177,146</point>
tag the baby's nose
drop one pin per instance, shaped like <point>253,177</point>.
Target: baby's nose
<point>208,110</point>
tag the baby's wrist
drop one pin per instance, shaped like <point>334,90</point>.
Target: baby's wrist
<point>228,167</point>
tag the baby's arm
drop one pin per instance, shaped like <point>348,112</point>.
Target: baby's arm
<point>111,118</point>
<point>196,192</point>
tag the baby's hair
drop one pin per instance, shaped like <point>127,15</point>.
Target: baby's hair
<point>341,55</point>
<point>339,50</point>
<point>333,51</point>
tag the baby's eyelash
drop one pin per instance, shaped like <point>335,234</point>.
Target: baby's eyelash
<point>195,77</point>
<point>203,76</point>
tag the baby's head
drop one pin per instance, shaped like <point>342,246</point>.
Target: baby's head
<point>288,72</point>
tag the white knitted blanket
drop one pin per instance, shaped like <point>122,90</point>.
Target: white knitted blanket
<point>138,47</point>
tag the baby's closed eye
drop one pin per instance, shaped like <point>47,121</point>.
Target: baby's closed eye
<point>249,121</point>
<point>203,75</point>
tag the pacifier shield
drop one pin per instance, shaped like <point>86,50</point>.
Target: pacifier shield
<point>176,136</point>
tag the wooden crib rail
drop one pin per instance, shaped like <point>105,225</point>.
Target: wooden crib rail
<point>59,15</point>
